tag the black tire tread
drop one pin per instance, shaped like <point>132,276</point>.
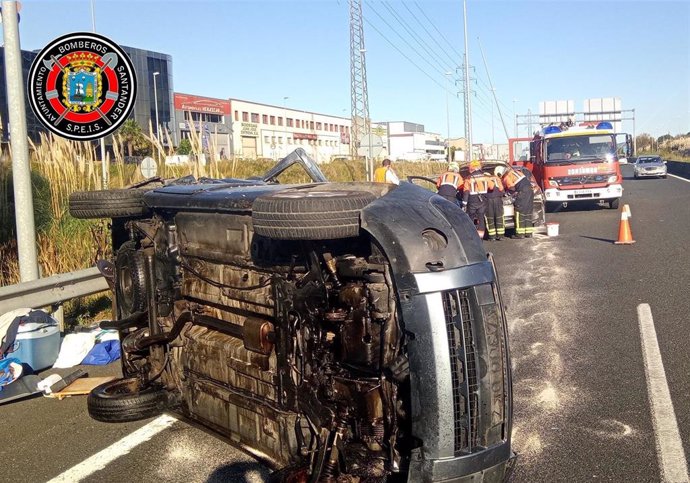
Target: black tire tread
<point>314,216</point>
<point>126,407</point>
<point>115,203</point>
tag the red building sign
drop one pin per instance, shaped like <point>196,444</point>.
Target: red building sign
<point>207,105</point>
<point>300,135</point>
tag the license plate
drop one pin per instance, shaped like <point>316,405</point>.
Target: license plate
<point>508,210</point>
<point>583,192</point>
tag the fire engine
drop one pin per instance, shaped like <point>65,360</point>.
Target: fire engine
<point>575,163</point>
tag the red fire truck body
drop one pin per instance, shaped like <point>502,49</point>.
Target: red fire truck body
<point>573,164</point>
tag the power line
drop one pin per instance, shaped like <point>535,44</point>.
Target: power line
<point>417,38</point>
<point>369,4</point>
<point>405,55</point>
<point>453,61</point>
<point>437,30</point>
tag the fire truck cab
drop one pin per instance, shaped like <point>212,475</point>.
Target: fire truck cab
<point>575,164</point>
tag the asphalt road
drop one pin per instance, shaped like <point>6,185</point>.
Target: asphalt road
<point>581,403</point>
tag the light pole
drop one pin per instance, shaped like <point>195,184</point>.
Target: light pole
<point>448,74</point>
<point>155,101</point>
<point>515,116</point>
<point>285,126</point>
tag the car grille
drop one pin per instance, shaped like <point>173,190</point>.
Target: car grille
<point>463,361</point>
<point>585,179</point>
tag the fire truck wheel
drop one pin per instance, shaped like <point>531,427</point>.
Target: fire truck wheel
<point>615,203</point>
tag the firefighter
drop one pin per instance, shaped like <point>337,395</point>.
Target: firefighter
<point>385,173</point>
<point>449,183</point>
<point>495,224</point>
<point>518,184</point>
<point>474,199</point>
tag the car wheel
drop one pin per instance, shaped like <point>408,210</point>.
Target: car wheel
<point>664,176</point>
<point>309,215</point>
<point>130,280</point>
<point>124,400</point>
<point>614,204</point>
<point>122,203</point>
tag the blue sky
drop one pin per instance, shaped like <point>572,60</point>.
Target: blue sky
<point>536,50</point>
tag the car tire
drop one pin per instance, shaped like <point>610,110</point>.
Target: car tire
<point>118,203</point>
<point>309,215</point>
<point>130,280</point>
<point>664,176</point>
<point>614,204</point>
<point>125,400</point>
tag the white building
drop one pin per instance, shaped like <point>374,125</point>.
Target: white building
<point>409,141</point>
<point>266,131</point>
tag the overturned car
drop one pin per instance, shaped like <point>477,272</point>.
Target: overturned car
<point>337,331</point>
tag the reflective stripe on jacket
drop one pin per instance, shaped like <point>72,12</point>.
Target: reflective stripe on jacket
<point>450,178</point>
<point>478,184</point>
<point>511,178</point>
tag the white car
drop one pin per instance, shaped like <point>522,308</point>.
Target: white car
<point>650,166</point>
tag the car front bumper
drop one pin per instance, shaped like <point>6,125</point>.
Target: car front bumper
<point>609,192</point>
<point>656,172</point>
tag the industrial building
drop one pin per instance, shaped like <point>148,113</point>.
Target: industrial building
<point>269,131</point>
<point>209,118</point>
<point>409,141</point>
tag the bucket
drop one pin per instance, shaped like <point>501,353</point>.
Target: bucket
<point>38,342</point>
<point>552,229</point>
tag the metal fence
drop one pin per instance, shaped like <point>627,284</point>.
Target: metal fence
<point>51,291</point>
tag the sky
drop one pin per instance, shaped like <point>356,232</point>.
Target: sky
<point>535,51</point>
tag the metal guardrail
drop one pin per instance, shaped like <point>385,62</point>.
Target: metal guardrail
<point>52,290</point>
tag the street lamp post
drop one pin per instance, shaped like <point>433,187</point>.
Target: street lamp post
<point>285,126</point>
<point>515,116</point>
<point>155,101</point>
<point>448,74</point>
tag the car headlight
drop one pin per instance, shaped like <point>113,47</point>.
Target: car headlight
<point>553,182</point>
<point>613,179</point>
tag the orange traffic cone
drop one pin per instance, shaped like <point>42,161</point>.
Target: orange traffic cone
<point>626,208</point>
<point>624,233</point>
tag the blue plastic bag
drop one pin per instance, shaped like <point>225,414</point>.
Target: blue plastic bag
<point>103,353</point>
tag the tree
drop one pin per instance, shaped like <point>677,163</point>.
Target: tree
<point>138,144</point>
<point>185,147</point>
<point>663,138</point>
<point>644,142</point>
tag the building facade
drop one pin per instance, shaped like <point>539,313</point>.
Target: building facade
<point>267,131</point>
<point>409,141</point>
<point>208,118</point>
<point>154,83</point>
<point>33,125</point>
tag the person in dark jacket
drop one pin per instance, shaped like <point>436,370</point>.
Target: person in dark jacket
<point>523,195</point>
<point>495,223</point>
<point>449,183</point>
<point>474,200</point>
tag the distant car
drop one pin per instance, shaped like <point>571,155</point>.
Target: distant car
<point>650,166</point>
<point>538,216</point>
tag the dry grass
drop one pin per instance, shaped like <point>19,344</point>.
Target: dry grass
<point>65,166</point>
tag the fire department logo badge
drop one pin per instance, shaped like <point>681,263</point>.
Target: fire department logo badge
<point>82,86</point>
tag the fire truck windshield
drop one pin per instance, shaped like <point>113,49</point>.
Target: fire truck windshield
<point>583,148</point>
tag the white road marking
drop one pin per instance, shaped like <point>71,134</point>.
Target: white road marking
<point>680,178</point>
<point>111,453</point>
<point>668,443</point>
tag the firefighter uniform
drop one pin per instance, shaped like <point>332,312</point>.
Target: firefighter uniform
<point>448,185</point>
<point>518,183</point>
<point>495,224</point>
<point>475,188</point>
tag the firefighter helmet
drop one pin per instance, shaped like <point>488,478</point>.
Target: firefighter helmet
<point>453,167</point>
<point>475,165</point>
<point>499,171</point>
